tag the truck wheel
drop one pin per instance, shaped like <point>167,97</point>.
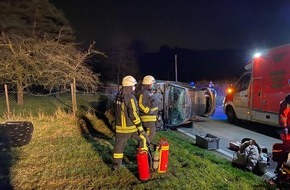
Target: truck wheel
<point>231,115</point>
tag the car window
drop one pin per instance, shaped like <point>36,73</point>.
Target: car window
<point>177,101</point>
<point>243,83</point>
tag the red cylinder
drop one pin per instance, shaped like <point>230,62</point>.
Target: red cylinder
<point>143,165</point>
<point>164,154</point>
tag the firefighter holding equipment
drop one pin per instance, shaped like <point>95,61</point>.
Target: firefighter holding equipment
<point>128,122</point>
<point>148,106</point>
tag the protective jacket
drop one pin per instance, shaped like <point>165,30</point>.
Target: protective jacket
<point>127,117</point>
<point>128,125</point>
<point>147,106</point>
<point>284,114</point>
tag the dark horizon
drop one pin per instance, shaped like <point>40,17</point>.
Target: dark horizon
<point>193,65</point>
<point>234,30</point>
<point>196,25</point>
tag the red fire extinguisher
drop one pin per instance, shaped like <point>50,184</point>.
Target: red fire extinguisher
<point>143,165</point>
<point>164,153</point>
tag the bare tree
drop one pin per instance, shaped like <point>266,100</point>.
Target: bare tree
<point>25,62</point>
<point>36,48</point>
<point>121,59</point>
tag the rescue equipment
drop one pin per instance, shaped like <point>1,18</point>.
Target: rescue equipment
<point>281,156</point>
<point>280,151</point>
<point>156,158</point>
<point>143,165</point>
<point>164,153</point>
<point>250,155</point>
<point>148,162</point>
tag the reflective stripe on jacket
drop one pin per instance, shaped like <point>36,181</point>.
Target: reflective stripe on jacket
<point>284,114</point>
<point>147,106</point>
<point>127,114</point>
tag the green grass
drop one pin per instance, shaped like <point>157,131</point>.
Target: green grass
<point>68,153</point>
<point>47,105</point>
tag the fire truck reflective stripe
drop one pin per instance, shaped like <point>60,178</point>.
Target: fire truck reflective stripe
<point>118,155</point>
<point>144,109</point>
<point>137,118</point>
<point>147,118</point>
<point>277,151</point>
<point>283,121</point>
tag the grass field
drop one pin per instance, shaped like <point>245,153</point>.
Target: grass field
<point>48,104</point>
<point>76,153</point>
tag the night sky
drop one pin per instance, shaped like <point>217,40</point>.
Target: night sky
<point>198,25</point>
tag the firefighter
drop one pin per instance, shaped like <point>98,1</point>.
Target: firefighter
<point>148,106</point>
<point>284,115</point>
<point>284,122</point>
<point>128,122</point>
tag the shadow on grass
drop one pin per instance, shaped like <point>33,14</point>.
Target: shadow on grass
<point>105,151</point>
<point>5,164</point>
<point>12,134</point>
<point>87,128</point>
<point>92,136</point>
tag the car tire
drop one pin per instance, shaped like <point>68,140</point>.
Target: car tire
<point>231,115</point>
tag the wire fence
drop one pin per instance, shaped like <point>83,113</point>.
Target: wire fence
<point>48,104</point>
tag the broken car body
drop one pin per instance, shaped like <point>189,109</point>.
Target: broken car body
<point>179,103</point>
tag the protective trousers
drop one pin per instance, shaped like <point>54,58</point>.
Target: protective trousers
<point>150,129</point>
<point>121,141</point>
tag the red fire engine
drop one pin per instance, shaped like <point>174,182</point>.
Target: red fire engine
<point>257,94</point>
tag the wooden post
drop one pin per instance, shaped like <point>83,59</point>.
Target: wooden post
<point>7,101</point>
<point>75,94</point>
<point>175,67</point>
<point>74,97</point>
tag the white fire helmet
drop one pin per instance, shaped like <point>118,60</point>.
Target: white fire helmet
<point>148,80</point>
<point>129,81</point>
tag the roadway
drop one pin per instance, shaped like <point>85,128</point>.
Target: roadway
<point>218,126</point>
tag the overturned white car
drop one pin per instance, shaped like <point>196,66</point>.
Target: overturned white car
<point>179,103</point>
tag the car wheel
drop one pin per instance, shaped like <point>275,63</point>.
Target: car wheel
<point>231,115</point>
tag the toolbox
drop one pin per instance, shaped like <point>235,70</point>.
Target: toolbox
<point>207,141</point>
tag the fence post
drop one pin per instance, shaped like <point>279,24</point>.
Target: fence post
<point>7,101</point>
<point>74,97</point>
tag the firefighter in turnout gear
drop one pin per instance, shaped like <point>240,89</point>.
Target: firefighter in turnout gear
<point>284,122</point>
<point>128,122</point>
<point>148,106</point>
<point>284,115</point>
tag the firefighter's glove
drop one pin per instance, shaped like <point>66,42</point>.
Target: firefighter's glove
<point>142,132</point>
